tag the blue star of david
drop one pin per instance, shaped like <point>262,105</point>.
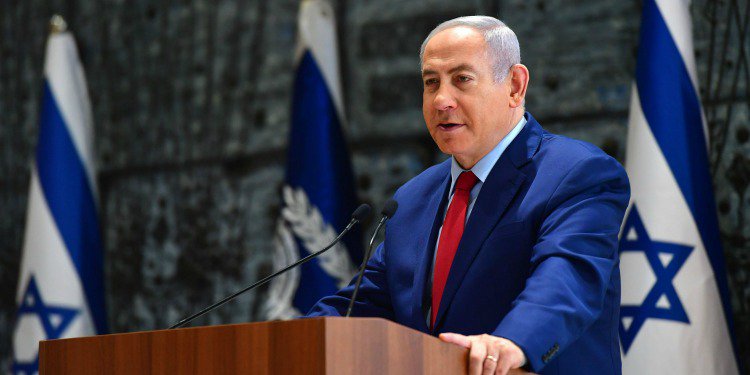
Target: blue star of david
<point>32,304</point>
<point>663,288</point>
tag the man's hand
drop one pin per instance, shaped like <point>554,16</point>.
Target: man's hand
<point>489,354</point>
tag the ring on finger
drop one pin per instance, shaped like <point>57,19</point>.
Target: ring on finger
<point>492,358</point>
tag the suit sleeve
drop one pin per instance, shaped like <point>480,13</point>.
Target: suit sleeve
<point>572,261</point>
<point>373,299</point>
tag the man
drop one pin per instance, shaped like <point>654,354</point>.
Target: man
<point>510,247</point>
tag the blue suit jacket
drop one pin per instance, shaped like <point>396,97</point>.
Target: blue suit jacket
<point>537,264</point>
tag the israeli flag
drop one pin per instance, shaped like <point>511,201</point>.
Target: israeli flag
<point>60,290</point>
<point>319,195</point>
<point>675,316</point>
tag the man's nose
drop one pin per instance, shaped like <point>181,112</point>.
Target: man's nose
<point>444,100</point>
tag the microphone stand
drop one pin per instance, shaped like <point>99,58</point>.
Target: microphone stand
<point>389,209</point>
<point>264,280</point>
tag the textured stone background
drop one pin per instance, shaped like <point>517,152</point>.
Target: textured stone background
<point>191,106</point>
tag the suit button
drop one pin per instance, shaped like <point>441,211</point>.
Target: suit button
<point>550,353</point>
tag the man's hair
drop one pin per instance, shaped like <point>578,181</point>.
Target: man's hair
<point>502,43</point>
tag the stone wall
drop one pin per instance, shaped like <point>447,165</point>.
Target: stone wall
<point>191,107</point>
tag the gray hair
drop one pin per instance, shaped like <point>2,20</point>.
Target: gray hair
<point>502,43</point>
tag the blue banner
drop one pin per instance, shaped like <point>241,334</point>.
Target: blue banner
<point>319,194</point>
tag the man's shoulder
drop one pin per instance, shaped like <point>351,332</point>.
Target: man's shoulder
<point>564,152</point>
<point>575,165</point>
<point>427,181</point>
<point>543,148</point>
<point>563,145</point>
<point>559,158</point>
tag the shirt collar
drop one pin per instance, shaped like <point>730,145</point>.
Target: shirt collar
<point>483,167</point>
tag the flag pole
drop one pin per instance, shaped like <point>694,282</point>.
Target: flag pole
<point>57,24</point>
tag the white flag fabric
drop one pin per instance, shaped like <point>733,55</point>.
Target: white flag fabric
<point>60,287</point>
<point>675,315</point>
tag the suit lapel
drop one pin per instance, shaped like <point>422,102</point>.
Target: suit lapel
<point>429,227</point>
<point>496,194</point>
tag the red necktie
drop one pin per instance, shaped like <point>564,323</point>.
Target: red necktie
<point>450,236</point>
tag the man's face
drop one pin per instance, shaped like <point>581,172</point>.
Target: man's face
<point>467,113</point>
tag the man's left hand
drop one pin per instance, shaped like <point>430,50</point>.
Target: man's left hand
<point>489,354</point>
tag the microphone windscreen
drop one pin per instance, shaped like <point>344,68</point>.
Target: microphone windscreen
<point>389,208</point>
<point>362,212</point>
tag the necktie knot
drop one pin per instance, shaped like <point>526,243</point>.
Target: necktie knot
<point>466,181</point>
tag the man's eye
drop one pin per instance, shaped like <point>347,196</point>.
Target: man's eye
<point>430,81</point>
<point>463,78</point>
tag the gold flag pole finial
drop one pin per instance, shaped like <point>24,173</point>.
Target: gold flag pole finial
<point>57,24</point>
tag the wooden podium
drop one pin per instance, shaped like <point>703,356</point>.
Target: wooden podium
<point>305,346</point>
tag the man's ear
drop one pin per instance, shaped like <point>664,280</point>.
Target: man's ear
<point>519,81</point>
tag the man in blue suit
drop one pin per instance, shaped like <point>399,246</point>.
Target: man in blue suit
<point>510,247</point>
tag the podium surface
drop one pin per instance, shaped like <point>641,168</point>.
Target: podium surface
<point>304,346</point>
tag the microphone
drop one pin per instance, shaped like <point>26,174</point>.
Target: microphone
<point>357,216</point>
<point>389,208</point>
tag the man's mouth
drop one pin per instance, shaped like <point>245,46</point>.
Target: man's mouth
<point>449,126</point>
